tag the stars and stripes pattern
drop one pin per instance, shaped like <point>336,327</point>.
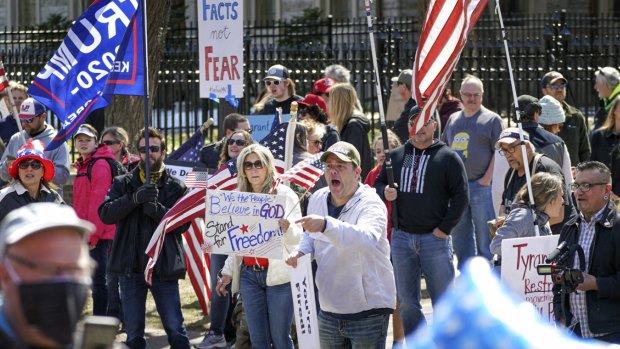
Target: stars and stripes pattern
<point>191,208</point>
<point>276,143</point>
<point>444,34</point>
<point>306,173</point>
<point>190,150</point>
<point>4,82</point>
<point>196,179</point>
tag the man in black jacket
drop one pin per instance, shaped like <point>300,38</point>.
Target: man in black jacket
<point>431,197</point>
<point>137,208</point>
<point>593,311</point>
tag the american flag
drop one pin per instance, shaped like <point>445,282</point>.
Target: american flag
<point>190,150</point>
<point>4,82</point>
<point>443,37</point>
<point>196,179</point>
<point>305,173</point>
<point>276,143</point>
<point>191,208</point>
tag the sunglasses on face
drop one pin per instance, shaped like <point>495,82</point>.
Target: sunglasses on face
<point>35,164</point>
<point>152,148</point>
<point>275,82</point>
<point>27,121</point>
<point>239,142</point>
<point>558,86</point>
<point>108,143</point>
<point>247,165</point>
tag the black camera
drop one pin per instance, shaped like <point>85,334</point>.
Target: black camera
<point>561,275</point>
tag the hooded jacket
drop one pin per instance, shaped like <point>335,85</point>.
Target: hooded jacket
<point>438,196</point>
<point>353,254</point>
<point>355,131</point>
<point>58,156</point>
<point>89,194</point>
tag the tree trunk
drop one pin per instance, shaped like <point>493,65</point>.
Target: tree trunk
<point>128,111</point>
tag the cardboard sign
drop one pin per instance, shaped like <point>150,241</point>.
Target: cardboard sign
<point>520,257</point>
<point>302,288</point>
<point>261,124</point>
<point>220,48</point>
<point>241,223</point>
<point>178,169</point>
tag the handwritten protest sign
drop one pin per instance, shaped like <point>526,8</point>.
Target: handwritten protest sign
<point>244,223</point>
<point>302,288</point>
<point>220,40</point>
<point>519,260</point>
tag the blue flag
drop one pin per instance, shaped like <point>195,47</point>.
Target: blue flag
<point>100,56</point>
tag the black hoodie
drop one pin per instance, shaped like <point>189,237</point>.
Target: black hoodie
<point>434,195</point>
<point>355,131</point>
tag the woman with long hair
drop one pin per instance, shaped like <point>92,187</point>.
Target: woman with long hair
<point>352,124</point>
<point>548,202</point>
<point>32,173</point>
<point>605,145</point>
<point>117,139</point>
<point>237,141</point>
<point>265,283</point>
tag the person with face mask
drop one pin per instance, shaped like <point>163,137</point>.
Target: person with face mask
<point>137,207</point>
<point>45,276</point>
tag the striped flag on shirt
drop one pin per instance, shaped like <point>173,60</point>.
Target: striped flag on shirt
<point>444,34</point>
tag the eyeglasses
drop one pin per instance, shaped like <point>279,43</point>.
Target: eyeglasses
<point>585,187</point>
<point>108,143</point>
<point>46,269</point>
<point>510,150</point>
<point>247,165</point>
<point>470,95</point>
<point>152,148</point>
<point>316,143</point>
<point>239,142</point>
<point>558,86</point>
<point>269,82</point>
<point>430,121</point>
<point>35,164</point>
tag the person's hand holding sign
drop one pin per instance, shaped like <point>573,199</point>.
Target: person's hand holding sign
<point>284,224</point>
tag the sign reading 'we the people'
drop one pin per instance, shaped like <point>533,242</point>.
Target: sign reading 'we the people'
<point>244,223</point>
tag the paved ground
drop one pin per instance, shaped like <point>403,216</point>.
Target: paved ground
<point>156,338</point>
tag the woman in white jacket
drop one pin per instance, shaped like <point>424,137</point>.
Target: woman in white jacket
<point>264,283</point>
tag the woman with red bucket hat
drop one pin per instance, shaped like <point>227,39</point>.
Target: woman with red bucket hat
<point>32,173</point>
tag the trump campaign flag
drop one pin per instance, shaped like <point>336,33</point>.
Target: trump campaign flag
<point>100,56</point>
<point>443,37</point>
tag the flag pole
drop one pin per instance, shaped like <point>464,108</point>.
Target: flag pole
<point>388,160</point>
<point>528,178</point>
<point>145,52</point>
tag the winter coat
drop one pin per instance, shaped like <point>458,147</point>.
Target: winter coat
<point>355,131</point>
<point>15,196</point>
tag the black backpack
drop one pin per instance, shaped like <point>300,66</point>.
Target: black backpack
<point>116,167</point>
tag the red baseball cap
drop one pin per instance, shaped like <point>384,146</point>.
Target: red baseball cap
<point>311,100</point>
<point>322,86</point>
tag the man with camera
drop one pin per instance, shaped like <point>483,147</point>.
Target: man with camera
<point>593,311</point>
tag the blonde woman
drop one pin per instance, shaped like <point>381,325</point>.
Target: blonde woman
<point>350,122</point>
<point>264,283</point>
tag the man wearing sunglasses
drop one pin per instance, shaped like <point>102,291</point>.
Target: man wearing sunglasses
<point>210,153</point>
<point>137,208</point>
<point>281,90</point>
<point>32,116</point>
<point>574,131</point>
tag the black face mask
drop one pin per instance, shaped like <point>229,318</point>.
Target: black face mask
<point>54,307</point>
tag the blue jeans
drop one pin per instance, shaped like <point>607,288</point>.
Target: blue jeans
<point>167,301</point>
<point>412,255</point>
<point>100,291</point>
<point>219,304</point>
<point>269,310</point>
<point>471,234</point>
<point>114,296</point>
<point>370,332</point>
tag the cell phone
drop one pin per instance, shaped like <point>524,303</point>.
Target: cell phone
<point>97,332</point>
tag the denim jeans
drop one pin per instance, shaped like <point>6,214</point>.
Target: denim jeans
<point>269,310</point>
<point>167,301</point>
<point>115,308</point>
<point>471,234</point>
<point>100,291</point>
<point>412,255</point>
<point>370,332</point>
<point>219,304</point>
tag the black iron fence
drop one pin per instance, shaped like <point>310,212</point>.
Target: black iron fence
<point>574,44</point>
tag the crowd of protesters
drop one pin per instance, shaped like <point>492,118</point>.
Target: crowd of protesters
<point>372,241</point>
